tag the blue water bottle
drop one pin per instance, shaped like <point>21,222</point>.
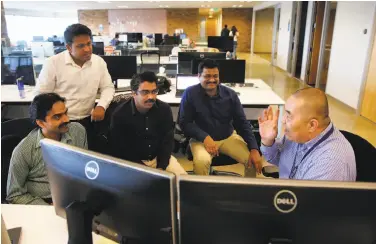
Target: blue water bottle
<point>21,88</point>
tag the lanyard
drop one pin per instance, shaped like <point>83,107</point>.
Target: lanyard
<point>295,166</point>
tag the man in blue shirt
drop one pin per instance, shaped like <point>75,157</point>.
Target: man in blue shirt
<point>312,148</point>
<point>209,114</point>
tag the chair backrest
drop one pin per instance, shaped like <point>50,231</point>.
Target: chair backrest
<point>12,132</point>
<point>19,127</point>
<point>165,50</point>
<point>365,154</point>
<point>150,57</point>
<point>8,143</point>
<point>102,128</point>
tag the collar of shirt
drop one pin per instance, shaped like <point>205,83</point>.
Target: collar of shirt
<point>219,91</point>
<point>306,146</point>
<point>65,138</point>
<point>134,109</point>
<point>69,60</point>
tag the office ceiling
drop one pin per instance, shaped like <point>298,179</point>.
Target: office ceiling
<point>70,6</point>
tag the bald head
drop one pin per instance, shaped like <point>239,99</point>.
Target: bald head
<point>313,104</point>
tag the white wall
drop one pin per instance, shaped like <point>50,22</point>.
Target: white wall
<point>263,5</point>
<point>308,31</point>
<point>284,35</point>
<point>259,6</point>
<point>349,54</point>
<point>219,24</point>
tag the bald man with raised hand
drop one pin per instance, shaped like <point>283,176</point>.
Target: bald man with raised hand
<point>312,148</point>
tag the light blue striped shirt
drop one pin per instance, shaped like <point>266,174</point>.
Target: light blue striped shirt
<point>332,160</point>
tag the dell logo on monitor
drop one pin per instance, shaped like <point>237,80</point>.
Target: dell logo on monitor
<point>92,170</point>
<point>285,201</point>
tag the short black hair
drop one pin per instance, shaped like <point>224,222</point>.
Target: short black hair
<point>76,30</point>
<point>117,35</point>
<point>42,104</point>
<point>207,63</point>
<point>147,76</point>
<point>225,26</point>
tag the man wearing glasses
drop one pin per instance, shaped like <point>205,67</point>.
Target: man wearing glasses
<point>77,75</point>
<point>212,115</point>
<point>142,128</point>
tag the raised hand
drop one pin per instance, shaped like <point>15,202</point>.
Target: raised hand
<point>268,126</point>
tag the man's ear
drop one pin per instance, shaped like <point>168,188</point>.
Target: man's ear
<point>40,123</point>
<point>313,125</point>
<point>69,47</point>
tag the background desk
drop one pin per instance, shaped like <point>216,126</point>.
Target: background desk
<point>254,100</point>
<point>40,224</point>
<point>164,60</point>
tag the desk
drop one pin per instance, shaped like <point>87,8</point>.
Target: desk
<point>40,224</point>
<point>164,60</point>
<point>254,99</point>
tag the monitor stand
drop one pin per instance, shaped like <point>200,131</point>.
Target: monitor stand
<point>79,219</point>
<point>80,224</point>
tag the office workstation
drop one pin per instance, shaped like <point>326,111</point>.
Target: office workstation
<point>161,125</point>
<point>186,209</point>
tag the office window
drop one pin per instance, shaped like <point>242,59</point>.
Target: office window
<point>23,28</point>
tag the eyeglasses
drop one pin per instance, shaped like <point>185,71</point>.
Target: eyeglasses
<point>208,77</point>
<point>147,92</point>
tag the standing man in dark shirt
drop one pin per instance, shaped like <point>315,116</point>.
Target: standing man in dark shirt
<point>209,114</point>
<point>225,31</point>
<point>142,129</point>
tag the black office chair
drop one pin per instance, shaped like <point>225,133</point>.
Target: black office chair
<point>8,143</point>
<point>102,128</point>
<point>150,61</point>
<point>365,155</point>
<point>18,127</point>
<point>165,50</point>
<point>12,132</point>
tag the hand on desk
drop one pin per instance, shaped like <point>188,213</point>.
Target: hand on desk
<point>211,146</point>
<point>268,126</point>
<point>97,114</point>
<point>255,160</point>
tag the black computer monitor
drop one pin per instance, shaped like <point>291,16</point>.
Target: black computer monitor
<point>158,38</point>
<point>134,37</point>
<point>222,43</point>
<point>14,67</point>
<point>121,67</point>
<point>98,48</point>
<point>226,210</point>
<point>230,71</point>
<point>123,201</point>
<point>185,59</point>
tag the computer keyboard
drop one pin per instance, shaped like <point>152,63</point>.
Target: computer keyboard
<point>179,93</point>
